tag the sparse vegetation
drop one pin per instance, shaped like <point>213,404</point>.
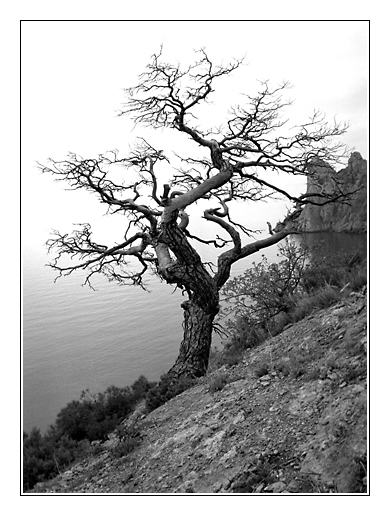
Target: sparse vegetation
<point>91,418</point>
<point>295,288</point>
<point>261,370</point>
<point>218,381</point>
<point>269,297</point>
<point>263,472</point>
<point>129,438</point>
<point>44,456</point>
<point>166,389</point>
<point>94,416</point>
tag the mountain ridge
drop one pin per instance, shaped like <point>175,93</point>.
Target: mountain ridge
<point>337,217</point>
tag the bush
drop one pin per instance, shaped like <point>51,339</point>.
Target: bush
<point>167,388</point>
<point>95,416</point>
<point>267,297</point>
<point>129,438</point>
<point>91,418</point>
<point>336,269</point>
<point>218,381</point>
<point>263,295</point>
<point>141,387</point>
<point>232,356</point>
<point>262,370</point>
<point>305,304</point>
<point>44,456</point>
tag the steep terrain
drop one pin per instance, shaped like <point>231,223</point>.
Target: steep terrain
<point>291,418</point>
<point>338,217</point>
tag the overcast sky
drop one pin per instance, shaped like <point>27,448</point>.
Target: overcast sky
<point>74,73</point>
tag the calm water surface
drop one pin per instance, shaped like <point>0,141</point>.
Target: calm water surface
<point>75,338</point>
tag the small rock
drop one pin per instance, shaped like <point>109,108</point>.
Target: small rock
<point>228,455</point>
<point>259,488</point>
<point>186,487</point>
<point>192,476</point>
<point>293,487</point>
<point>265,378</point>
<point>276,487</point>
<point>217,487</point>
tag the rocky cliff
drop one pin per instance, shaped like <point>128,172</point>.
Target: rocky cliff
<point>290,418</point>
<point>337,217</point>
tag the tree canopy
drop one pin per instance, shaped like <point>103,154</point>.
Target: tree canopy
<point>230,162</point>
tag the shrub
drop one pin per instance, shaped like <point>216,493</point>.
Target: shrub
<point>44,456</point>
<point>141,387</point>
<point>217,382</point>
<point>93,417</point>
<point>357,279</point>
<point>262,297</point>
<point>358,480</point>
<point>335,269</point>
<point>232,356</point>
<point>261,370</point>
<point>305,304</point>
<point>167,388</point>
<point>267,297</point>
<point>265,289</point>
<point>263,471</point>
<point>129,438</point>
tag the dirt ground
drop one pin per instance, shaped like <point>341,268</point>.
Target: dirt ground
<point>291,418</point>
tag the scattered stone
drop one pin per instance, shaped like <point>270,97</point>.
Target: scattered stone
<point>286,435</point>
<point>228,455</point>
<point>265,378</point>
<point>276,487</point>
<point>260,488</point>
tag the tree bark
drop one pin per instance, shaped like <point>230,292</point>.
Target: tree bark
<point>194,351</point>
<point>180,264</point>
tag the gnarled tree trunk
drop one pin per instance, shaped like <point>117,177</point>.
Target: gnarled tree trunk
<point>179,263</point>
<point>194,351</point>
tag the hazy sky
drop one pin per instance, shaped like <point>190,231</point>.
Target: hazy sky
<point>74,73</point>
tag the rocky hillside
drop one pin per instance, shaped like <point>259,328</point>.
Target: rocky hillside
<point>291,418</point>
<point>338,217</point>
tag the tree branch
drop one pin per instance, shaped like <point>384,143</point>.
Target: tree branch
<point>251,141</point>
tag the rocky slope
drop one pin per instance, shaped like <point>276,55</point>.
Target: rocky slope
<point>291,418</point>
<point>338,217</point>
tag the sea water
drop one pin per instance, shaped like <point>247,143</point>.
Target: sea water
<point>76,338</point>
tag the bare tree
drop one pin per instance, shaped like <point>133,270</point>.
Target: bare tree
<point>234,162</point>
